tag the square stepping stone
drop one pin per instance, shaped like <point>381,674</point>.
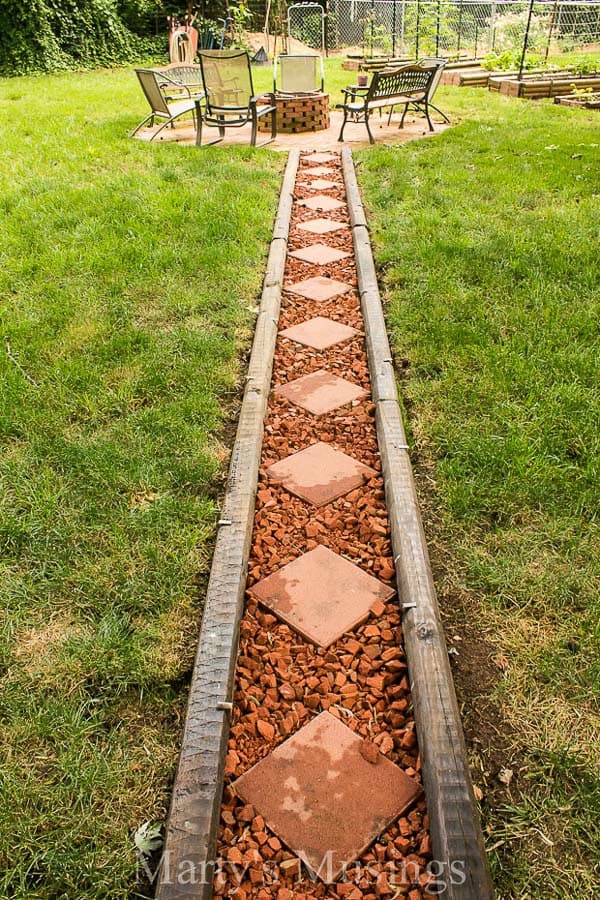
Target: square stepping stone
<point>319,333</point>
<point>320,170</point>
<point>319,474</point>
<point>319,254</point>
<point>319,288</point>
<point>321,226</point>
<point>322,798</point>
<point>320,392</point>
<point>322,201</point>
<point>321,184</point>
<point>321,595</point>
<point>321,157</point>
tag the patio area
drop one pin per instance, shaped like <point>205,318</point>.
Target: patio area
<point>355,135</point>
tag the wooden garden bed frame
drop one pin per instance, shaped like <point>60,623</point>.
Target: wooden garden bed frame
<point>583,101</point>
<point>538,86</point>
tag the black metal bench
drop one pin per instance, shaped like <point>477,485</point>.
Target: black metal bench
<point>404,86</point>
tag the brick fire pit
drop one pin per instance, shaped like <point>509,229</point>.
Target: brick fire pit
<point>299,113</point>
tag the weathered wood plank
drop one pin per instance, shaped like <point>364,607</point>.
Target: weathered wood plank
<point>457,840</point>
<point>188,858</point>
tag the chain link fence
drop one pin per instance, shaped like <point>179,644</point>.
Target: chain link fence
<point>415,28</point>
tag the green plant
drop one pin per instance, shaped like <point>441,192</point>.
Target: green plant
<point>511,59</point>
<point>509,32</point>
<point>585,65</point>
<point>241,18</point>
<point>54,35</point>
<point>375,37</point>
<point>209,33</point>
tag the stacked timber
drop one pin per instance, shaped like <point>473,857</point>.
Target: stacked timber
<point>538,86</point>
<point>473,76</point>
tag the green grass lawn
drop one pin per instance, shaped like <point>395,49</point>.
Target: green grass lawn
<point>128,274</point>
<point>486,238</point>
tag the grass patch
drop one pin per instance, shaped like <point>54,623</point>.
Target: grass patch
<point>128,274</point>
<point>486,239</point>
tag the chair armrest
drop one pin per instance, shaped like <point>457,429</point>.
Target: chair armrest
<point>267,95</point>
<point>354,91</point>
<point>178,84</point>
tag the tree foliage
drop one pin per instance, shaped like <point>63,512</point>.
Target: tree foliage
<point>55,35</point>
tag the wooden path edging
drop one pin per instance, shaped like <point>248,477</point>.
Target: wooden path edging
<point>457,839</point>
<point>190,842</point>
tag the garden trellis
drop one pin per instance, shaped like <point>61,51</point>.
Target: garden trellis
<point>306,22</point>
<point>463,27</point>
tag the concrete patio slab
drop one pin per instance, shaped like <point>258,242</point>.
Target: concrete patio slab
<point>321,595</point>
<point>319,254</point>
<point>320,392</point>
<point>321,226</point>
<point>321,202</point>
<point>323,798</point>
<point>319,288</point>
<point>319,333</point>
<point>319,473</point>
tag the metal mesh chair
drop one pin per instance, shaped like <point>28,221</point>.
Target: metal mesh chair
<point>229,100</point>
<point>392,87</point>
<point>163,105</point>
<point>298,74</point>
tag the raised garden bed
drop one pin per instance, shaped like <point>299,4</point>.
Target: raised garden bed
<point>476,77</point>
<point>539,85</point>
<point>469,76</point>
<point>584,101</point>
<point>372,63</point>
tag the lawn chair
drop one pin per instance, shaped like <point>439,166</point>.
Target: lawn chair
<point>404,86</point>
<point>298,74</point>
<point>155,86</point>
<point>229,100</point>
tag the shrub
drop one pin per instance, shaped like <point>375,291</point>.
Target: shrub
<point>54,35</point>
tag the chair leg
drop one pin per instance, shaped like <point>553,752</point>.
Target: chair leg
<point>431,128</point>
<point>199,136</point>
<point>149,118</point>
<point>273,134</point>
<point>371,138</point>
<point>390,115</point>
<point>403,115</point>
<point>162,127</point>
<point>254,127</point>
<point>341,135</point>
<point>199,130</point>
